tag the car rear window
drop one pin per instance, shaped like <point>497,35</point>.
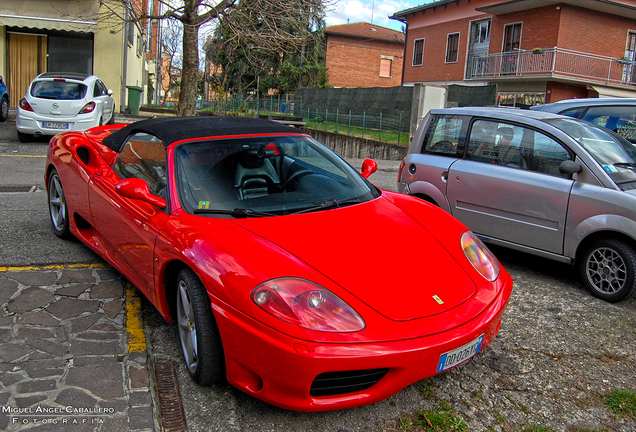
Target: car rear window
<point>59,90</point>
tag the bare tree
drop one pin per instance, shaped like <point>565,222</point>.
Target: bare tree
<point>273,22</point>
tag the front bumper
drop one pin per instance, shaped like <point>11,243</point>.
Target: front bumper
<point>280,370</point>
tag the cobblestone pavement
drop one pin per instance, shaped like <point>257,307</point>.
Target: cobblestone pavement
<point>67,361</point>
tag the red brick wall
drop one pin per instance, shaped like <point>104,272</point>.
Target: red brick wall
<point>539,28</point>
<point>568,27</point>
<point>556,91</point>
<point>355,62</point>
<point>593,32</point>
<point>434,66</point>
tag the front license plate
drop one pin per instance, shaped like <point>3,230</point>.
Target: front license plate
<point>54,125</point>
<point>459,355</point>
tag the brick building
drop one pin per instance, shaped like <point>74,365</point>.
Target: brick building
<point>536,51</point>
<point>363,55</point>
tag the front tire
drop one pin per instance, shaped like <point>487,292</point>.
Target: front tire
<point>23,138</point>
<point>608,270</point>
<point>58,209</point>
<point>198,332</point>
<point>4,109</point>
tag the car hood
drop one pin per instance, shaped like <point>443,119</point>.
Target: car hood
<point>376,252</point>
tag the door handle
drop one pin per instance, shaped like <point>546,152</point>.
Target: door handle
<point>445,176</point>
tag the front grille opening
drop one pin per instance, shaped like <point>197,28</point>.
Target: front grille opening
<point>337,383</point>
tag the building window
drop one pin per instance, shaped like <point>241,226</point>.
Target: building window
<point>385,66</point>
<point>511,47</point>
<point>452,45</point>
<point>520,100</point>
<point>418,52</point>
<point>130,33</point>
<point>512,37</point>
<point>629,74</point>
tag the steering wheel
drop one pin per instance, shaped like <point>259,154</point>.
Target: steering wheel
<point>442,146</point>
<point>296,175</point>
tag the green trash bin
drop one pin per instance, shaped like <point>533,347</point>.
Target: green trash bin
<point>134,99</point>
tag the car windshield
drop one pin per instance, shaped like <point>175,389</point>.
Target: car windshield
<point>265,175</point>
<point>58,90</point>
<point>615,154</point>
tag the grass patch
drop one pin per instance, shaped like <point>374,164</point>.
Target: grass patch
<point>426,389</point>
<point>442,419</point>
<point>391,137</point>
<point>622,402</point>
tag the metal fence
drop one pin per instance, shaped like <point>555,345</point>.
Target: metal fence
<point>250,105</point>
<point>555,61</point>
<point>379,127</point>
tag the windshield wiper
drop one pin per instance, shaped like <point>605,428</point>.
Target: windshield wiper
<point>630,165</point>
<point>329,204</point>
<point>237,212</point>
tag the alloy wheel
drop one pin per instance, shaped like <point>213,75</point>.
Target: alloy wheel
<point>57,203</point>
<point>187,327</point>
<point>606,270</point>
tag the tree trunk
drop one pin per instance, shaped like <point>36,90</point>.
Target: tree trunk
<point>190,71</point>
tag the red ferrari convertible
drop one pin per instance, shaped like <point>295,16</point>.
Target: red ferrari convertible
<point>287,273</point>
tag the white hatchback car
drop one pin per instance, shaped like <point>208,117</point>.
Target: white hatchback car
<point>57,102</point>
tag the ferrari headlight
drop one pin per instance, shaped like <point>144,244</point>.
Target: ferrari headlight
<point>479,256</point>
<point>307,305</point>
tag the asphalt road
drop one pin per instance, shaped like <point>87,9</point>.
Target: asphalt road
<point>25,232</point>
<point>559,350</point>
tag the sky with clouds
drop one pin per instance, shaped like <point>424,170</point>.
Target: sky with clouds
<point>372,11</point>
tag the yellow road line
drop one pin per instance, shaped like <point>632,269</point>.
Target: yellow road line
<point>52,267</point>
<point>35,156</point>
<point>134,326</point>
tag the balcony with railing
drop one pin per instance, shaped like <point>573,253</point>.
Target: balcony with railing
<point>554,63</point>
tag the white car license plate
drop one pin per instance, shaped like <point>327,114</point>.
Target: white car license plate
<point>54,125</point>
<point>459,355</point>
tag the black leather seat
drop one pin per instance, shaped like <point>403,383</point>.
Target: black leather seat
<point>254,175</point>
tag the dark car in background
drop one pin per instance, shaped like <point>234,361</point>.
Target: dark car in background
<point>4,101</point>
<point>537,182</point>
<point>615,114</point>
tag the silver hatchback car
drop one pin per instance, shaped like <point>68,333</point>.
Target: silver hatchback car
<point>61,101</point>
<point>537,182</point>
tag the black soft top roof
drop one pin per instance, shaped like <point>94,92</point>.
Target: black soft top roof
<point>172,129</point>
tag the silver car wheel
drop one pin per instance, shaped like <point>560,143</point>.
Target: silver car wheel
<point>187,327</point>
<point>57,203</point>
<point>606,270</point>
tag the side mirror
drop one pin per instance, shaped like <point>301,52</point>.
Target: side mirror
<point>369,166</point>
<point>135,188</point>
<point>570,167</point>
<point>110,92</point>
<point>1,79</point>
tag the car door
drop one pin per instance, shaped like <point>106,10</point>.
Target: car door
<point>127,228</point>
<point>105,101</point>
<point>513,192</point>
